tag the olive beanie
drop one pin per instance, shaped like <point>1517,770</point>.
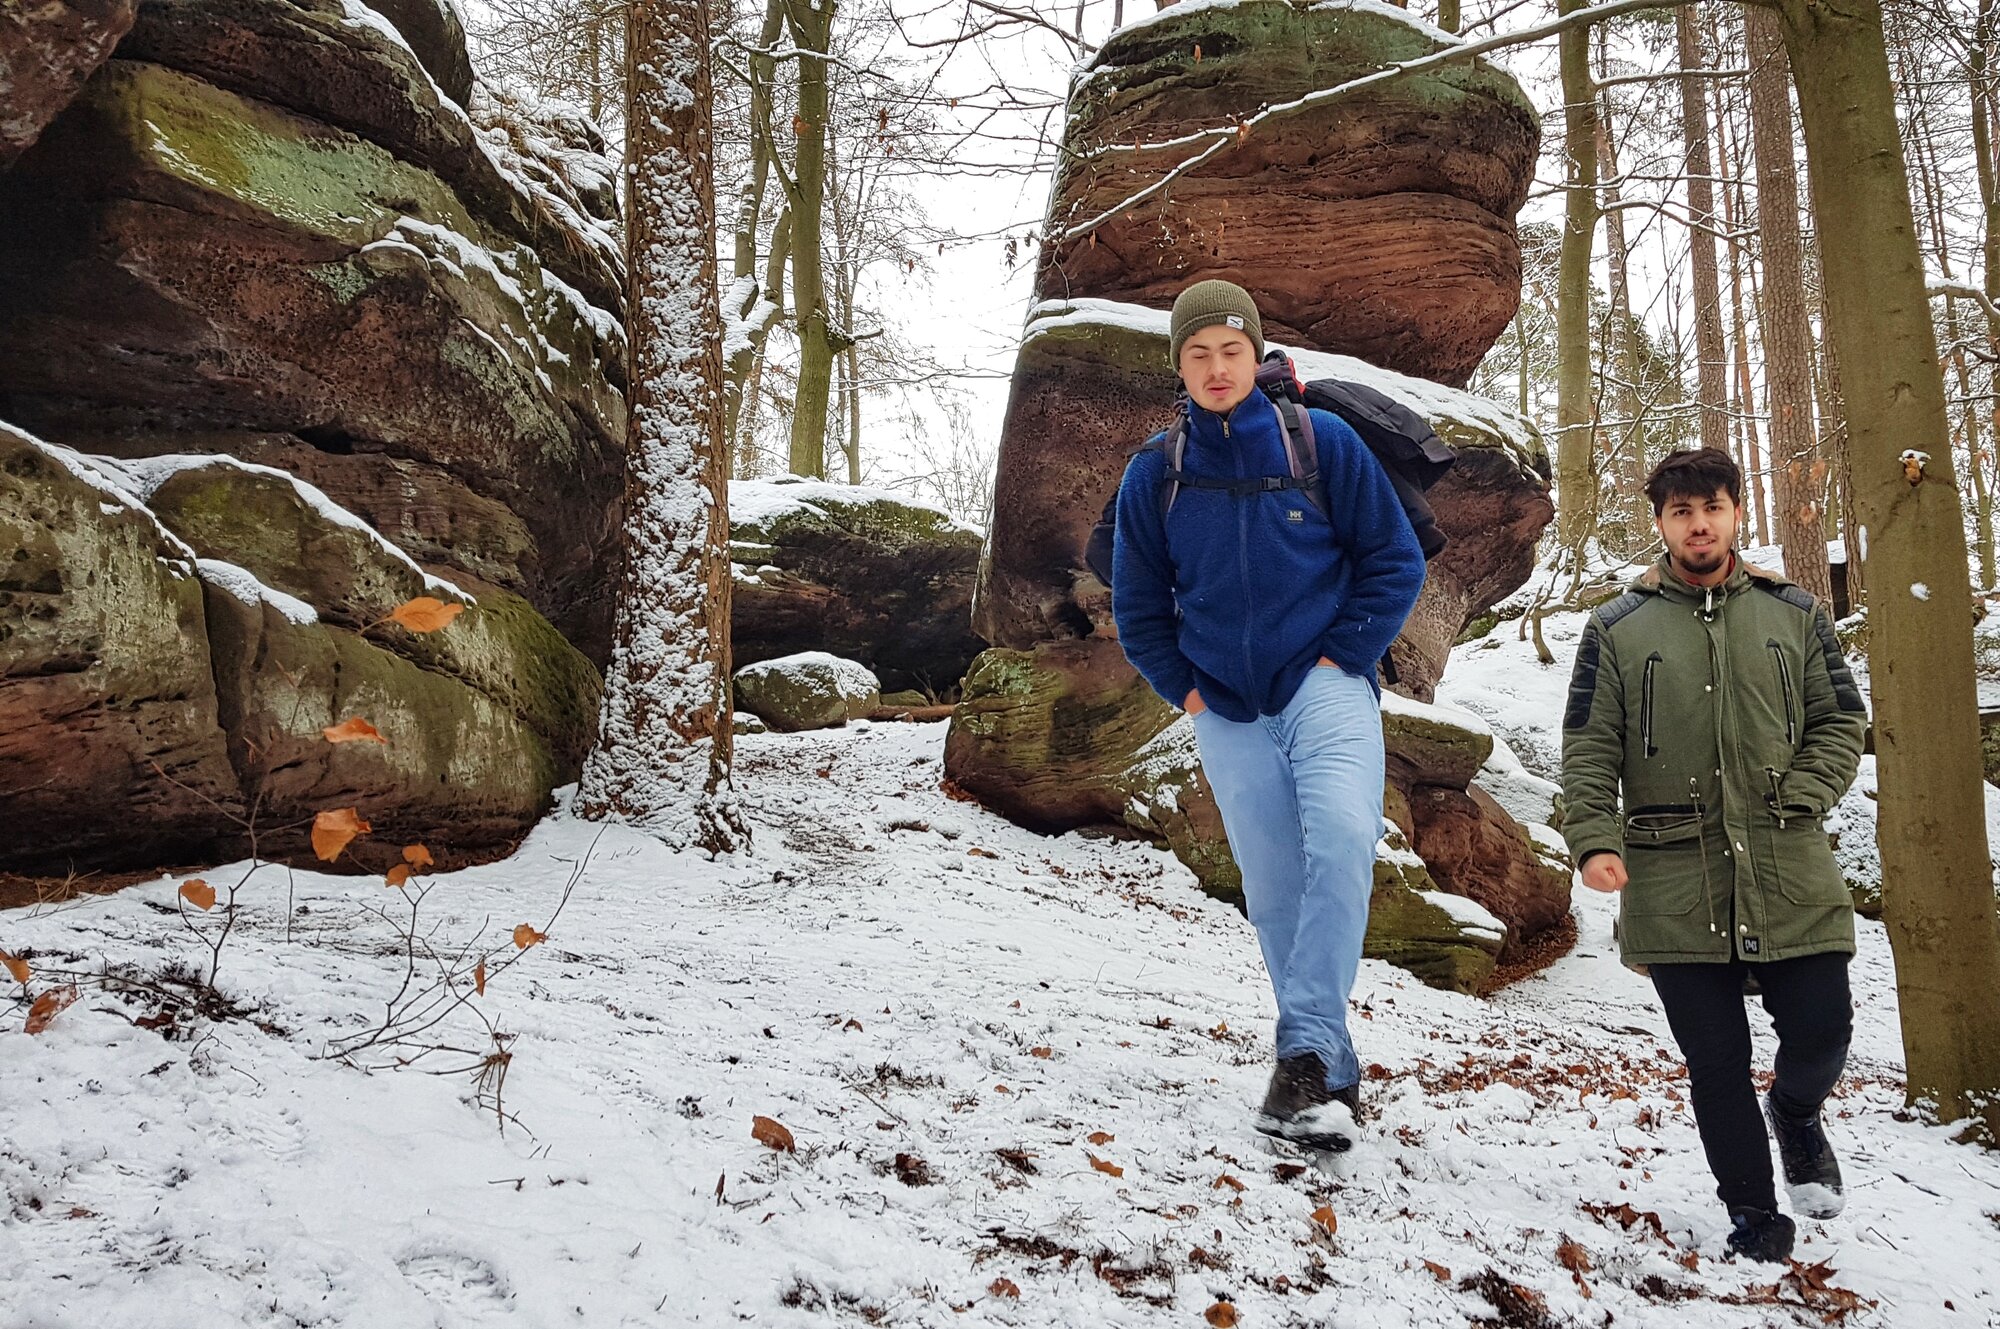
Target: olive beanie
<point>1207,303</point>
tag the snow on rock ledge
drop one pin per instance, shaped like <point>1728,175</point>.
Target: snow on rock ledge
<point>810,690</point>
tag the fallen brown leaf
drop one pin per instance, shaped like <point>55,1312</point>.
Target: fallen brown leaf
<point>1109,1169</point>
<point>769,1132</point>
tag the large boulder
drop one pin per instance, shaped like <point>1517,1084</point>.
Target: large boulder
<point>1092,379</point>
<point>110,749</point>
<point>1380,224</point>
<point>181,630</point>
<point>1067,735</point>
<point>264,226</point>
<point>810,690</point>
<point>47,50</point>
<point>861,573</point>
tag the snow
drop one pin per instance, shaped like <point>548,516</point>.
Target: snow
<point>1395,703</point>
<point>1180,11</point>
<point>146,475</point>
<point>103,476</point>
<point>1469,914</point>
<point>245,587</point>
<point>872,975</point>
<point>1436,403</point>
<point>756,502</point>
<point>849,677</point>
<point>1921,591</point>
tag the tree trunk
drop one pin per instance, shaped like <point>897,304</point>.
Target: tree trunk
<point>1576,477</point>
<point>1938,896</point>
<point>1985,168</point>
<point>1833,445</point>
<point>1628,450</point>
<point>744,291</point>
<point>812,30</point>
<point>1711,362</point>
<point>1797,473</point>
<point>1448,15</point>
<point>663,747</point>
<point>1745,408</point>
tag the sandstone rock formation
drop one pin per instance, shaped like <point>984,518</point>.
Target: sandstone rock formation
<point>1380,225</point>
<point>47,50</point>
<point>181,630</point>
<point>266,228</point>
<point>1375,230</point>
<point>862,573</point>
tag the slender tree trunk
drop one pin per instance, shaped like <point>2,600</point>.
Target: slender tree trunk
<point>1833,442</point>
<point>1448,15</point>
<point>1938,900</point>
<point>663,746</point>
<point>1748,452</point>
<point>1985,168</point>
<point>1796,469</point>
<point>745,293</point>
<point>1521,345</point>
<point>1622,351</point>
<point>812,30</point>
<point>1576,476</point>
<point>1711,362</point>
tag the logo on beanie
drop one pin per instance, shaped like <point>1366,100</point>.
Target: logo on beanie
<point>1234,321</point>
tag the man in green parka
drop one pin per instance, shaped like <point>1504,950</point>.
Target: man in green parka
<point>1711,724</point>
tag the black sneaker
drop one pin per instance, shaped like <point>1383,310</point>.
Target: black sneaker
<point>1300,1109</point>
<point>1812,1173</point>
<point>1761,1234</point>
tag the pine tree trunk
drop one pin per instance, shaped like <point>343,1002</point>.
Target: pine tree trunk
<point>1797,472</point>
<point>1757,517</point>
<point>663,747</point>
<point>1711,360</point>
<point>812,30</point>
<point>1576,477</point>
<point>1938,896</point>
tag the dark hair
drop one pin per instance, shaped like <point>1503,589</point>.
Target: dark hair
<point>1694,473</point>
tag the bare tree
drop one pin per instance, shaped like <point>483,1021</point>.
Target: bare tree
<point>1711,366</point>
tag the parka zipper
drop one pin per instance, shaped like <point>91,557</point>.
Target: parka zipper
<point>1701,842</point>
<point>1785,684</point>
<point>1646,705</point>
<point>1777,795</point>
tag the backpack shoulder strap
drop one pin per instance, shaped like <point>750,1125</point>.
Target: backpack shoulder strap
<point>1174,447</point>
<point>1302,451</point>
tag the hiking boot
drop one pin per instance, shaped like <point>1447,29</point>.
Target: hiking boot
<point>1761,1234</point>
<point>1812,1173</point>
<point>1301,1110</point>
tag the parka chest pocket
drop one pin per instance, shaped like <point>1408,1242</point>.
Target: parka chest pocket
<point>1673,827</point>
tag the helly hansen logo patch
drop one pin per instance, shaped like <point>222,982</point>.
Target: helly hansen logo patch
<point>1296,515</point>
<point>1750,946</point>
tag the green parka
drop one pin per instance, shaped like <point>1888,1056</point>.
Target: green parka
<point>1730,723</point>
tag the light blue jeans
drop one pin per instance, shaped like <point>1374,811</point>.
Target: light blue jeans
<point>1301,798</point>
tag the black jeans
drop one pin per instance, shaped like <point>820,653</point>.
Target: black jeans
<point>1814,1015</point>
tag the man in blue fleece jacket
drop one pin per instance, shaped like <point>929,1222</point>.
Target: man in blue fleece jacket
<point>1265,618</point>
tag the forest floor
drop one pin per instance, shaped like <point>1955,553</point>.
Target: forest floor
<point>1017,1073</point>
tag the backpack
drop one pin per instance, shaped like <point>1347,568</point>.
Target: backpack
<point>1411,454</point>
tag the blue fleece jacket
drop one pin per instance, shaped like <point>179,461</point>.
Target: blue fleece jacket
<point>1239,597</point>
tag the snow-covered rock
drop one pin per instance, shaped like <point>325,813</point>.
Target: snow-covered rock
<point>809,690</point>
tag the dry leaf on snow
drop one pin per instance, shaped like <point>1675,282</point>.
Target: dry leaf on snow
<point>1100,1137</point>
<point>526,936</point>
<point>15,966</point>
<point>772,1133</point>
<point>1109,1169</point>
<point>48,1006</point>
<point>1004,1287</point>
<point>1325,1218</point>
<point>1222,1315</point>
<point>479,978</point>
<point>198,893</point>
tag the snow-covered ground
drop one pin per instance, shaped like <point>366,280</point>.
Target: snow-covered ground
<point>1018,1072</point>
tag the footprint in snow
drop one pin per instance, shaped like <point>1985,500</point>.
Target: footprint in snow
<point>463,1289</point>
